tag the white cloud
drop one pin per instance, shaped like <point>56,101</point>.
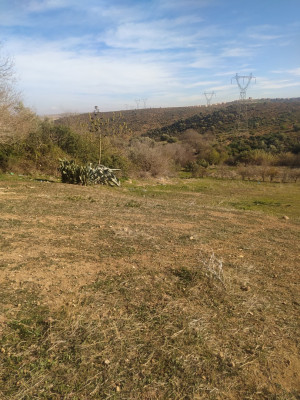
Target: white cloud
<point>266,83</point>
<point>158,35</point>
<point>186,5</point>
<point>62,69</point>
<point>277,71</point>
<point>222,88</point>
<point>295,71</point>
<point>45,5</point>
<point>202,83</point>
<point>227,73</point>
<point>204,60</point>
<point>263,37</point>
<point>237,52</point>
<point>143,36</point>
<point>116,13</point>
<point>68,74</point>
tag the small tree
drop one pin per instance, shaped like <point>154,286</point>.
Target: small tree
<point>244,172</point>
<point>295,174</point>
<point>262,172</point>
<point>95,127</point>
<point>272,173</point>
<point>284,176</point>
<point>106,127</point>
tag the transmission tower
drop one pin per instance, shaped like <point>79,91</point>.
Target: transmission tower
<point>96,111</point>
<point>137,103</point>
<point>145,102</point>
<point>209,96</point>
<point>243,82</point>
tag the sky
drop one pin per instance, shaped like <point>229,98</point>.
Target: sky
<point>71,55</point>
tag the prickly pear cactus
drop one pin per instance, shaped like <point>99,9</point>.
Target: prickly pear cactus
<point>87,174</point>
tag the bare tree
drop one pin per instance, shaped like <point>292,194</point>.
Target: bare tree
<point>7,95</point>
<point>6,79</point>
<point>15,119</point>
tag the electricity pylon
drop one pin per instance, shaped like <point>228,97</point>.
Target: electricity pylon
<point>137,103</point>
<point>209,96</point>
<point>243,82</point>
<point>145,102</point>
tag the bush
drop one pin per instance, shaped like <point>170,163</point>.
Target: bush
<point>295,174</point>
<point>288,160</point>
<point>199,171</point>
<point>86,174</point>
<point>260,157</point>
<point>272,173</point>
<point>5,153</point>
<point>167,138</point>
<point>245,172</point>
<point>296,127</point>
<point>262,172</point>
<point>224,172</point>
<point>150,159</point>
<point>178,153</point>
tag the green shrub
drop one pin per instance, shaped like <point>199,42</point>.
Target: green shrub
<point>296,127</point>
<point>4,158</point>
<point>86,174</point>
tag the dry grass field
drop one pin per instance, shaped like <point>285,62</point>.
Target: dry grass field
<point>162,289</point>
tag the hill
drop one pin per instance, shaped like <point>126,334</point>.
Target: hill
<point>263,116</point>
<point>257,116</point>
<point>272,125</point>
<point>139,120</point>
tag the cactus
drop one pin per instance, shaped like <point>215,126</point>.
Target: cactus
<point>87,174</point>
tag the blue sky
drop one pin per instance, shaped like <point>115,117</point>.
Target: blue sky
<point>71,55</point>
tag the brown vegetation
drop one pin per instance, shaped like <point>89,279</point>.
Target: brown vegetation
<point>166,289</point>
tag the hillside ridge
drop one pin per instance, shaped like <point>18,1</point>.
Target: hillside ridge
<point>152,122</point>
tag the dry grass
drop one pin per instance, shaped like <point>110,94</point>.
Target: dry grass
<point>150,291</point>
